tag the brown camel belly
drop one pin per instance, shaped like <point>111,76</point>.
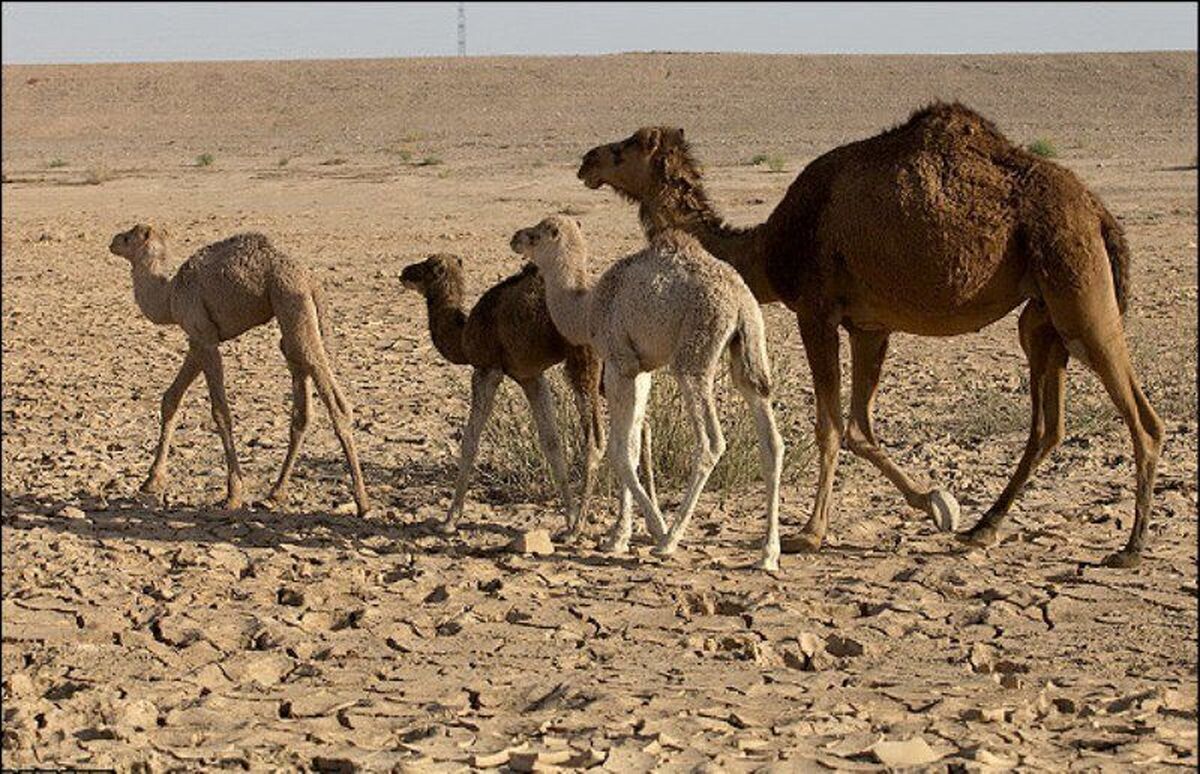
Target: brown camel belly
<point>929,302</point>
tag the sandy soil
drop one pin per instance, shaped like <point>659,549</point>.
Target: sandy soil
<point>181,636</point>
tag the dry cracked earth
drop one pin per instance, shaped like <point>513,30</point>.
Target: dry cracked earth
<point>162,636</point>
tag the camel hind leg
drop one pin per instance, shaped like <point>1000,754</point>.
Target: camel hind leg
<point>1047,357</point>
<point>583,374</point>
<point>1085,314</point>
<point>770,453</point>
<point>867,351</point>
<point>299,324</point>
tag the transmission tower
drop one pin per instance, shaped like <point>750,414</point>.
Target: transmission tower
<point>462,29</point>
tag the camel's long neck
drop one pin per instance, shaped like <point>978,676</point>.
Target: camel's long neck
<point>742,248</point>
<point>446,322</point>
<point>152,292</point>
<point>568,293</point>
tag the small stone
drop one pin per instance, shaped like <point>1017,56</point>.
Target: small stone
<point>981,658</point>
<point>290,597</point>
<point>911,752</point>
<point>139,715</point>
<point>439,594</point>
<point>535,542</point>
<point>20,684</point>
<point>994,762</point>
<point>839,646</point>
<point>1011,681</point>
<point>71,512</point>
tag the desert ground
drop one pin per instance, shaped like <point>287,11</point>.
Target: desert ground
<point>173,635</point>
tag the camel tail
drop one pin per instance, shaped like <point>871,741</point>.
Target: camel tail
<point>1119,258</point>
<point>750,347</point>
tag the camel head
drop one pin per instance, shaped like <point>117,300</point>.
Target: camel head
<point>139,243</point>
<point>640,165</point>
<point>440,270</point>
<point>557,240</point>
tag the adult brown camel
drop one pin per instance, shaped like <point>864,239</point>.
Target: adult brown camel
<point>938,227</point>
<point>509,332</point>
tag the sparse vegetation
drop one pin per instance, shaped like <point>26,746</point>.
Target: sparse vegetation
<point>336,161</point>
<point>283,162</point>
<point>96,176</point>
<point>512,469</point>
<point>411,137</point>
<point>773,162</point>
<point>404,154</point>
<point>205,160</point>
<point>1042,147</point>
<point>430,161</point>
<point>56,163</point>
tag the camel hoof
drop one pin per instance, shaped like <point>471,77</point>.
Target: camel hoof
<point>446,527</point>
<point>657,531</point>
<point>616,544</point>
<point>1123,560</point>
<point>804,543</point>
<point>154,485</point>
<point>665,548</point>
<point>981,536</point>
<point>232,503</point>
<point>768,563</point>
<point>943,508</point>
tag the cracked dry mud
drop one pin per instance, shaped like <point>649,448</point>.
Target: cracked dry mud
<point>178,636</point>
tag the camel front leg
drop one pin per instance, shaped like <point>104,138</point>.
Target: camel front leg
<point>541,404</point>
<point>868,350</point>
<point>214,374</point>
<point>697,393</point>
<point>483,394</point>
<point>156,481</point>
<point>301,417</point>
<point>623,451</point>
<point>820,339</point>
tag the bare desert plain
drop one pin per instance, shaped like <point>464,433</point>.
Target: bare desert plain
<point>173,635</point>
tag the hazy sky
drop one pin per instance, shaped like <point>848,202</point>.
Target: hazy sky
<point>138,32</point>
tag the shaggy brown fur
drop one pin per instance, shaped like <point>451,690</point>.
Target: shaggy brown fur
<point>509,333</point>
<point>222,291</point>
<point>939,226</point>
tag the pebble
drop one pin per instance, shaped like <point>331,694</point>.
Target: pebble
<point>536,542</point>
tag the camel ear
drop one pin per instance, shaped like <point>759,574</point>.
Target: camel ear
<point>458,258</point>
<point>651,138</point>
<point>578,225</point>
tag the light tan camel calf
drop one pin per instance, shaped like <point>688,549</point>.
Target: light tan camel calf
<point>220,292</point>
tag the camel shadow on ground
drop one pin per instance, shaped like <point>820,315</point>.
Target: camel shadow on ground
<point>393,527</point>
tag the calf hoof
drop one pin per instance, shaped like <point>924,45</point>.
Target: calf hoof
<point>981,536</point>
<point>768,563</point>
<point>446,527</point>
<point>943,509</point>
<point>154,485</point>
<point>804,543</point>
<point>665,548</point>
<point>1123,560</point>
<point>617,544</point>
